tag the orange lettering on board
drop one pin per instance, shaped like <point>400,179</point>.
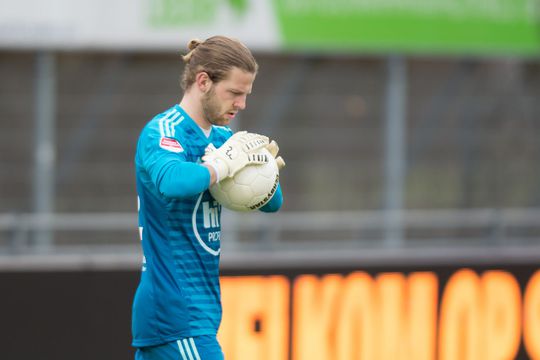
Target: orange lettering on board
<point>255,317</point>
<point>408,315</point>
<point>501,315</point>
<point>460,323</point>
<point>531,317</point>
<point>315,309</point>
<point>356,329</point>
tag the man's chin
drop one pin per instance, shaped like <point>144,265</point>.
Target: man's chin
<point>221,122</point>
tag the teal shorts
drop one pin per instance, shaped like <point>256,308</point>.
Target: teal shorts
<point>204,347</point>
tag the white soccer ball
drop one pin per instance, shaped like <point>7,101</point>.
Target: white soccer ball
<point>250,188</point>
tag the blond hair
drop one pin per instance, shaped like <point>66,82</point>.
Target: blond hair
<point>216,56</point>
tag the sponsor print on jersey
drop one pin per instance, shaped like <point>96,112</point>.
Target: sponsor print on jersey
<point>170,144</point>
<point>206,223</point>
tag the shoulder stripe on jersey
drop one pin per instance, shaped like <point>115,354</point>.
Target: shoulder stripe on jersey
<point>164,131</point>
<point>161,130</point>
<point>173,127</point>
<point>162,121</point>
<point>168,123</point>
<point>179,343</point>
<point>194,347</point>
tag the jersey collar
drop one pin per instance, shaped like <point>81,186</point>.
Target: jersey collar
<point>194,125</point>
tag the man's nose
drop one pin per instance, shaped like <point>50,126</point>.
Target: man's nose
<point>240,103</point>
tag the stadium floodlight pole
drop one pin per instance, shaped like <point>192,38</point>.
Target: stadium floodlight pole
<point>395,150</point>
<point>44,150</point>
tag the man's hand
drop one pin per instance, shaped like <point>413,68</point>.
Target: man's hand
<point>238,151</point>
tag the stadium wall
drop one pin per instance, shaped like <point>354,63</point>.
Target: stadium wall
<point>386,311</point>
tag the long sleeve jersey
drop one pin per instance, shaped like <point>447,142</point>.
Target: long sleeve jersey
<point>180,226</point>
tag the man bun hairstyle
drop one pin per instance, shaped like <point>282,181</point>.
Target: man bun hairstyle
<point>216,56</point>
<point>192,45</point>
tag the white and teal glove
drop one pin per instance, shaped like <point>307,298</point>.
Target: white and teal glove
<point>273,148</point>
<point>238,151</point>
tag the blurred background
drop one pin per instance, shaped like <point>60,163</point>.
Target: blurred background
<point>410,130</point>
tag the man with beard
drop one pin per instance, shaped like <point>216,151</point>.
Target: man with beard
<point>180,153</point>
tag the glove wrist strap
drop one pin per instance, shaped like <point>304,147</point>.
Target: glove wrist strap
<point>220,169</point>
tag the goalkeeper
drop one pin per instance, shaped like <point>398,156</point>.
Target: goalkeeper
<point>177,307</point>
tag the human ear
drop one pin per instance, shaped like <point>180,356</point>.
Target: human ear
<point>203,81</point>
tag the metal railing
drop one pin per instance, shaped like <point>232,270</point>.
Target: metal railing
<point>286,239</point>
<point>491,226</point>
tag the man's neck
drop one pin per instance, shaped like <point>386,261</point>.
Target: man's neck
<point>193,108</point>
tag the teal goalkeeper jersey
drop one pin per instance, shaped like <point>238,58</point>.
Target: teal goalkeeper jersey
<point>179,225</point>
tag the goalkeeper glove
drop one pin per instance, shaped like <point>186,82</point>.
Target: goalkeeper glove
<point>273,148</point>
<point>237,152</point>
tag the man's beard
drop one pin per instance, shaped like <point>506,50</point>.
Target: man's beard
<point>212,109</point>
